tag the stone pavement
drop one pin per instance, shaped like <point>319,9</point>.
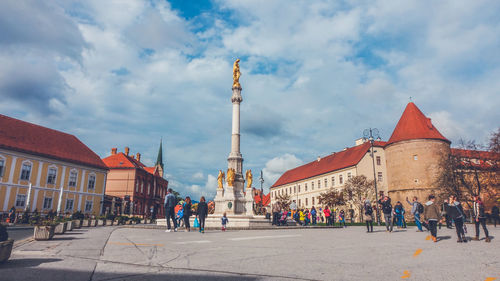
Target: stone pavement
<point>113,253</point>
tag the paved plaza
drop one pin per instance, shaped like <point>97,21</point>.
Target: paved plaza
<point>113,253</point>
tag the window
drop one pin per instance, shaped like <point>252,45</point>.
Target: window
<point>416,180</point>
<point>69,204</point>
<point>305,187</point>
<point>350,194</point>
<point>380,194</point>
<point>348,175</point>
<point>379,176</point>
<point>91,184</point>
<point>341,180</point>
<point>286,191</point>
<point>51,176</point>
<point>319,184</point>
<point>378,161</point>
<point>415,157</point>
<point>20,200</point>
<point>312,185</point>
<point>306,202</point>
<point>333,181</point>
<point>312,199</point>
<point>290,190</point>
<point>295,189</point>
<point>299,188</point>
<point>47,203</point>
<point>326,183</point>
<point>88,206</point>
<point>73,175</point>
<point>299,203</point>
<point>26,171</point>
<point>2,167</point>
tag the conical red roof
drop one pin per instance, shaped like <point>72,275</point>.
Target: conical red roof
<point>414,125</point>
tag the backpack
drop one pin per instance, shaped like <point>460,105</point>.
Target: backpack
<point>368,210</point>
<point>420,208</point>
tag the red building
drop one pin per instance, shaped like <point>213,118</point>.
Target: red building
<point>141,188</point>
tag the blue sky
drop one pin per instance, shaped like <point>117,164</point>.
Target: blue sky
<point>315,74</point>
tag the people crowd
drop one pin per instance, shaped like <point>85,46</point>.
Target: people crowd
<point>430,215</point>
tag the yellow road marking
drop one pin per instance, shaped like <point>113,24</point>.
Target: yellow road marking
<point>417,252</point>
<point>490,279</point>
<point>137,244</point>
<point>406,274</point>
<point>428,237</point>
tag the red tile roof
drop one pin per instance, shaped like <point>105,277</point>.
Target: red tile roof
<point>475,154</point>
<point>414,125</point>
<point>120,160</point>
<point>151,170</point>
<point>266,199</point>
<point>29,138</point>
<point>332,162</point>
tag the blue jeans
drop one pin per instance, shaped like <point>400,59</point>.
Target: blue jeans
<point>417,221</point>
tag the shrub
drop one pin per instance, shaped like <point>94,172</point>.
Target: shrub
<point>110,216</point>
<point>3,233</point>
<point>77,215</point>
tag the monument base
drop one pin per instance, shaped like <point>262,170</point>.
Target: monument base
<point>235,222</point>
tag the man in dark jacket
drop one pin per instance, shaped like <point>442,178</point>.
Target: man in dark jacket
<point>387,210</point>
<point>480,218</point>
<point>495,215</point>
<point>456,212</point>
<point>170,209</point>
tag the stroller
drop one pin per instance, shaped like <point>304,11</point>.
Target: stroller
<point>282,220</point>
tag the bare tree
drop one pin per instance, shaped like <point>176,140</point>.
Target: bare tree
<point>284,201</point>
<point>331,198</point>
<point>356,190</point>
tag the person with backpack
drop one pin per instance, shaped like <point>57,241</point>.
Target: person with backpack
<point>432,215</point>
<point>313,215</point>
<point>170,203</point>
<point>416,209</point>
<point>342,218</point>
<point>456,213</point>
<point>398,213</point>
<point>368,216</point>
<point>387,210</point>
<point>480,218</point>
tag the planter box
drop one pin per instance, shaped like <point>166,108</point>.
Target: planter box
<point>69,226</point>
<point>101,222</point>
<point>86,223</point>
<point>44,232</point>
<point>61,228</point>
<point>93,223</point>
<point>6,249</point>
<point>77,224</point>
<point>109,222</point>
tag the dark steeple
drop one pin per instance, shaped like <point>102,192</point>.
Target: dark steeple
<point>159,159</point>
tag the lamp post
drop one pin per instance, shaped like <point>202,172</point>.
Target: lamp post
<point>261,179</point>
<point>371,134</point>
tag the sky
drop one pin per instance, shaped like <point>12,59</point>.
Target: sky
<point>314,75</point>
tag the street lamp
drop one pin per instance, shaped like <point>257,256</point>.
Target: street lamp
<point>261,179</point>
<point>371,134</point>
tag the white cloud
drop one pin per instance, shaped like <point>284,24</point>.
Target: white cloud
<point>278,165</point>
<point>198,176</point>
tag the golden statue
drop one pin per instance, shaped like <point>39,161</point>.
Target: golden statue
<point>236,74</point>
<point>249,178</point>
<point>230,176</point>
<point>220,179</point>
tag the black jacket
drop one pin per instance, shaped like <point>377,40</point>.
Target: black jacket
<point>386,206</point>
<point>494,211</point>
<point>186,209</point>
<point>455,210</point>
<point>202,209</point>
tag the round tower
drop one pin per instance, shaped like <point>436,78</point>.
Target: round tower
<point>413,155</point>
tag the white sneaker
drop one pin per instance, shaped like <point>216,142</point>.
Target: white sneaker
<point>168,230</point>
<point>175,229</point>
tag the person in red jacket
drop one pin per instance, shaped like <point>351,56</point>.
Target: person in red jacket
<point>327,213</point>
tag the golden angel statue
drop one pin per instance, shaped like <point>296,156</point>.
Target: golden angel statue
<point>230,176</point>
<point>220,179</point>
<point>236,74</point>
<point>249,178</point>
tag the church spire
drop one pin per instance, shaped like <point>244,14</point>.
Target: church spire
<point>159,159</point>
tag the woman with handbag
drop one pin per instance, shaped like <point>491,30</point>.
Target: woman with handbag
<point>455,212</point>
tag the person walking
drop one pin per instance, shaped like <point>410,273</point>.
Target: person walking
<point>432,215</point>
<point>398,213</point>
<point>342,218</point>
<point>224,221</point>
<point>202,213</point>
<point>480,218</point>
<point>170,209</point>
<point>368,216</point>
<point>387,210</point>
<point>495,215</point>
<point>416,209</point>
<point>12,215</point>
<point>276,208</point>
<point>186,207</point>
<point>313,215</point>
<point>445,215</point>
<point>327,213</point>
<point>456,213</point>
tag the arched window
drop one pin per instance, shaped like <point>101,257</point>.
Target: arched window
<point>26,170</point>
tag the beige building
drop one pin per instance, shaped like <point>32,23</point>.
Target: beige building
<point>46,170</point>
<point>405,166</point>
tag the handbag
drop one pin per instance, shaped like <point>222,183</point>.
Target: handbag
<point>196,223</point>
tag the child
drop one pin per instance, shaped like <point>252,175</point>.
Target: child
<point>224,222</point>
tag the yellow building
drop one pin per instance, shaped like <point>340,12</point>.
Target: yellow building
<point>45,169</point>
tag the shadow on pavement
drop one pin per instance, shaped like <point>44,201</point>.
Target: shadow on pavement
<point>59,238</point>
<point>439,238</point>
<point>17,263</point>
<point>56,274</point>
